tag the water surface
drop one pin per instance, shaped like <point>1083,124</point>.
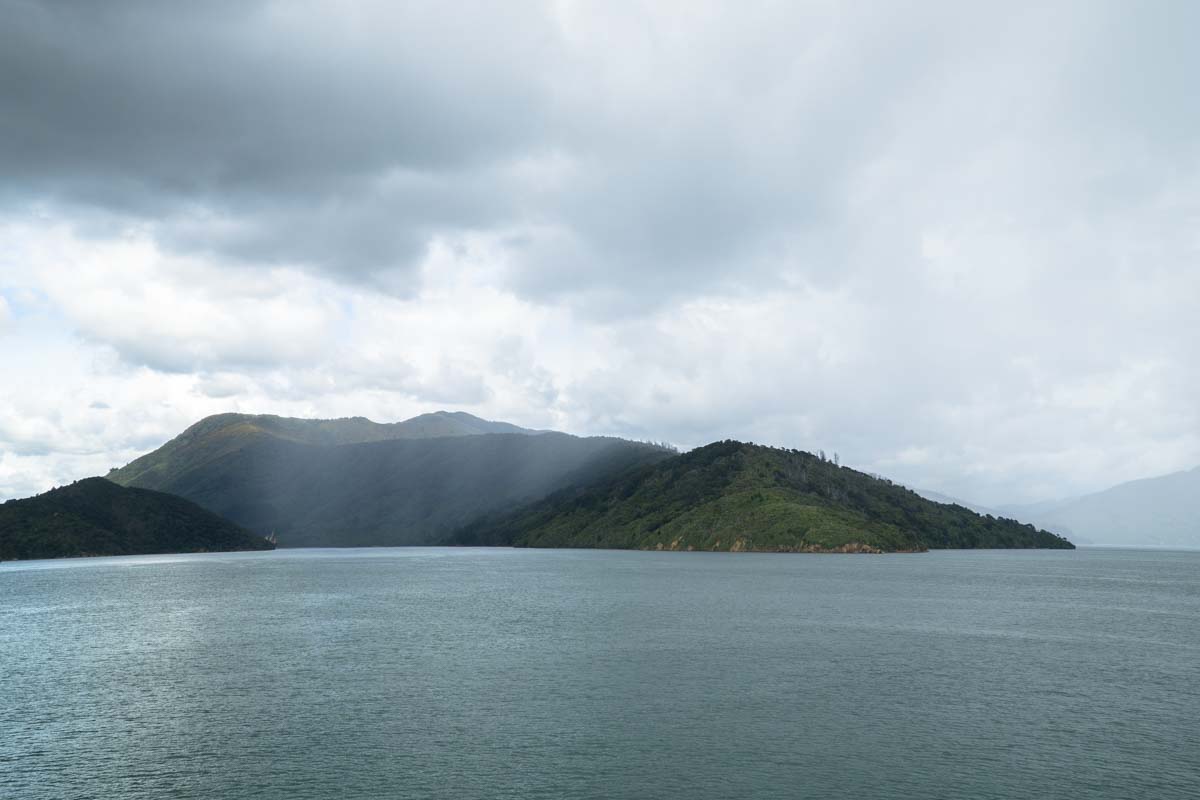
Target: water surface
<point>476,673</point>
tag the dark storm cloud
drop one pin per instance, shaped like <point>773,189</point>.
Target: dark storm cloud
<point>340,139</point>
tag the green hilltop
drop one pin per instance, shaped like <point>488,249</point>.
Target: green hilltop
<point>744,497</point>
<point>95,517</point>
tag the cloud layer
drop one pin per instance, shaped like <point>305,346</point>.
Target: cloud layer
<point>958,245</point>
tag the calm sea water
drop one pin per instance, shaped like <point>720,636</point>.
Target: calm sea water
<point>415,673</point>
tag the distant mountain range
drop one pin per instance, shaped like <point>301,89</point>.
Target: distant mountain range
<point>744,497</point>
<point>1162,512</point>
<point>1150,512</point>
<point>352,482</point>
<point>95,517</point>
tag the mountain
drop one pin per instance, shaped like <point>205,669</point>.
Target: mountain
<point>1162,511</point>
<point>95,517</point>
<point>221,434</point>
<point>735,496</point>
<point>353,482</point>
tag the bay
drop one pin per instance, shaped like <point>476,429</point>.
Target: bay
<point>499,673</point>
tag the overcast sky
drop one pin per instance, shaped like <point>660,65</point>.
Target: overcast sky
<point>957,243</point>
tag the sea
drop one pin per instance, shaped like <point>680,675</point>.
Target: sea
<point>502,673</point>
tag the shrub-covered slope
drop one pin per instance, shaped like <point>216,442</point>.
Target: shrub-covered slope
<point>735,496</point>
<point>95,517</point>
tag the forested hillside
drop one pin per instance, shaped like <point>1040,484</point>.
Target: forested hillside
<point>95,517</point>
<point>735,496</point>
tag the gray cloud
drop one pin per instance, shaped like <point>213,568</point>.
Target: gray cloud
<point>348,138</point>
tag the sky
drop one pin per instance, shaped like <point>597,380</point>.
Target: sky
<point>956,243</point>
